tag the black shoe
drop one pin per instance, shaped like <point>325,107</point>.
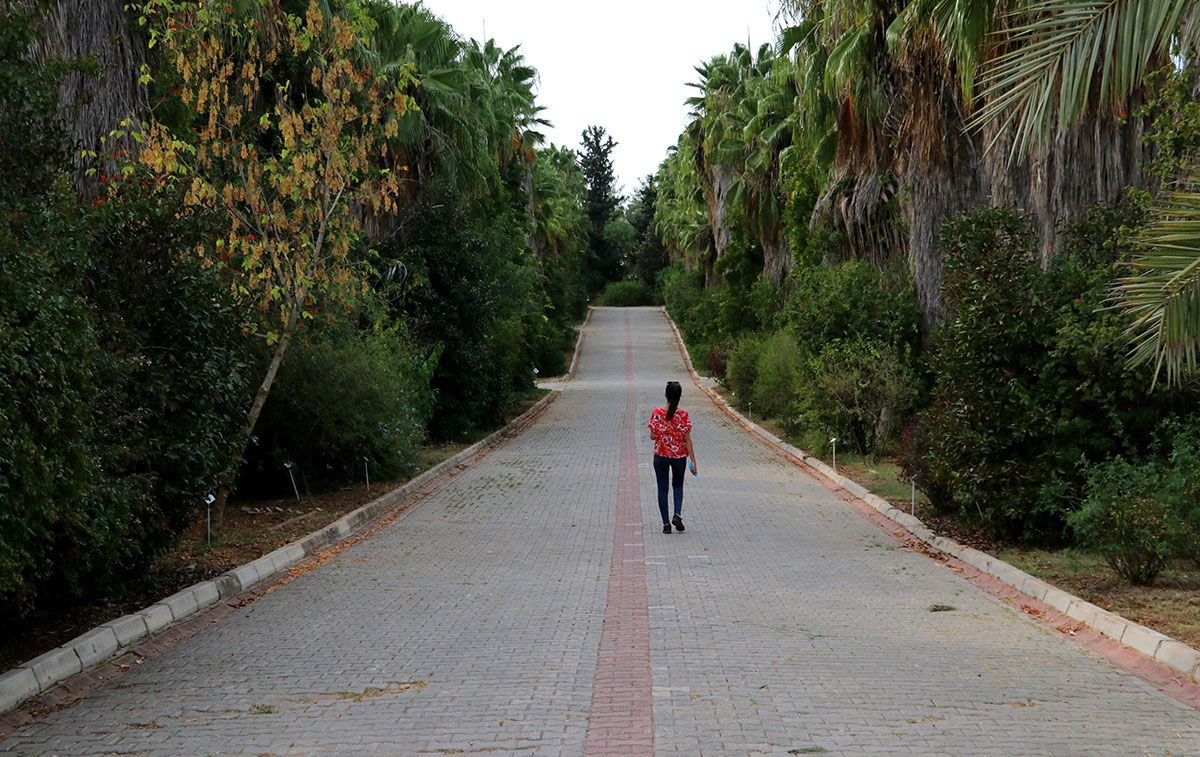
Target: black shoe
<point>678,521</point>
<point>666,528</point>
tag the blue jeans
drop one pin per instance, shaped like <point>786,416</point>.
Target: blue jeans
<point>676,467</point>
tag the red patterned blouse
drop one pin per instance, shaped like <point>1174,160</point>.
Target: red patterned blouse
<point>670,436</point>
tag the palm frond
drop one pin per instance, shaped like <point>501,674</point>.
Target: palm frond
<point>1163,293</point>
<point>1067,56</point>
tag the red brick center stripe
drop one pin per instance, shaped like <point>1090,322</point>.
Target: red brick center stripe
<point>622,718</point>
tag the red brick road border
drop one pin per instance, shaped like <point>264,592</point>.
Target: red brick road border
<point>1167,664</point>
<point>622,715</point>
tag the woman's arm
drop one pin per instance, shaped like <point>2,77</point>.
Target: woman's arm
<point>691,450</point>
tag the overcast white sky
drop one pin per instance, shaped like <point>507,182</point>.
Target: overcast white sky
<point>621,64</point>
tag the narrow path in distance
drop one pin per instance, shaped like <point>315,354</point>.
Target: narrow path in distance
<point>501,612</point>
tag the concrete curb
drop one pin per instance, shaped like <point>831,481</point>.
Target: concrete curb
<point>1160,647</point>
<point>579,344</point>
<point>97,645</point>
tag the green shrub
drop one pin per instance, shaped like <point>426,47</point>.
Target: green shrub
<point>859,390</point>
<point>780,371</point>
<point>180,388</point>
<point>928,471</point>
<point>1030,379</point>
<point>850,300</point>
<point>72,510</point>
<point>624,294</point>
<point>336,401</point>
<point>1184,484</point>
<point>1129,519</point>
<point>741,372</point>
<point>693,308</point>
<point>472,294</point>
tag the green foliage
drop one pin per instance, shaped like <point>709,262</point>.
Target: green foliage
<point>182,367</point>
<point>70,520</point>
<point>1029,380</point>
<point>852,299</point>
<point>61,518</point>
<point>779,373</point>
<point>649,255</point>
<point>340,399</point>
<point>1173,110</point>
<point>1129,518</point>
<point>471,292</point>
<point>620,240</point>
<point>859,390</point>
<point>1183,483</point>
<point>1103,234</point>
<point>741,373</point>
<point>691,306</point>
<point>595,161</point>
<point>626,294</point>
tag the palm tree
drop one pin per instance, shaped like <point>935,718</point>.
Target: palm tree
<point>1070,59</point>
<point>760,132</point>
<point>890,89</point>
<point>95,101</point>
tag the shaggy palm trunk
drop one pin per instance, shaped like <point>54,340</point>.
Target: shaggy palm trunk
<point>1091,164</point>
<point>527,187</point>
<point>777,255</point>
<point>94,102</point>
<point>940,170</point>
<point>858,204</point>
<point>719,180</point>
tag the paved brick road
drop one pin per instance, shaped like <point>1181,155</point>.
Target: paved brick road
<point>779,621</point>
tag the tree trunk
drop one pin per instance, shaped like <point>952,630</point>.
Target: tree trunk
<point>256,407</point>
<point>777,256</point>
<point>716,190</point>
<point>94,104</point>
<point>1091,164</point>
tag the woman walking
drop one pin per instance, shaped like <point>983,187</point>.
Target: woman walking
<point>671,430</point>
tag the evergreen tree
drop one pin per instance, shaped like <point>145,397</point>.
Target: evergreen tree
<point>649,254</point>
<point>595,159</point>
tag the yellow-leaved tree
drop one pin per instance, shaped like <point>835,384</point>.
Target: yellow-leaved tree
<point>286,139</point>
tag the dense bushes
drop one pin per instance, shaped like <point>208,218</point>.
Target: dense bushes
<point>127,361</point>
<point>628,293</point>
<point>473,295</point>
<point>1030,382</point>
<point>342,400</point>
<point>1009,412</point>
<point>841,365</point>
<point>1132,517</point>
<point>123,370</point>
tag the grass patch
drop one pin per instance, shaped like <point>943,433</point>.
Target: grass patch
<point>881,476</point>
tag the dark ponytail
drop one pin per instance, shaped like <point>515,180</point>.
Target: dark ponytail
<point>674,392</point>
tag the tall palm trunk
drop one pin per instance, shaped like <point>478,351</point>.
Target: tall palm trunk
<point>718,181</point>
<point>777,255</point>
<point>93,103</point>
